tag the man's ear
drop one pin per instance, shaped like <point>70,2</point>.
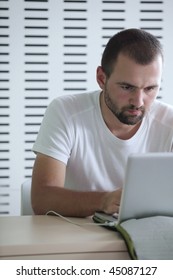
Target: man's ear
<point>101,77</point>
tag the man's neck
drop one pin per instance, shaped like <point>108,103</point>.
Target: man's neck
<point>120,130</point>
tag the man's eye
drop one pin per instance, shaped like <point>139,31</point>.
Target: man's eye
<point>150,90</point>
<point>127,87</point>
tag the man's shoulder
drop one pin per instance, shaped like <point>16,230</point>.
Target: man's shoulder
<point>162,111</point>
<point>162,106</point>
<point>78,97</point>
<point>77,102</point>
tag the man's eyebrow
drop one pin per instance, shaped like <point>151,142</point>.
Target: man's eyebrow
<point>130,85</point>
<point>125,84</point>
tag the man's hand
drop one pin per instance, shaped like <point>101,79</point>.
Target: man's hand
<point>111,202</point>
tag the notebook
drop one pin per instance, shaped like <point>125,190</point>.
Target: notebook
<point>147,190</point>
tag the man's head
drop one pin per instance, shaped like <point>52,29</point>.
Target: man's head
<point>130,75</point>
<point>137,44</point>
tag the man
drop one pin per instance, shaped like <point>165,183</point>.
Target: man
<point>85,139</point>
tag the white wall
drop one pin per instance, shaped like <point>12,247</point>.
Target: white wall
<point>50,48</point>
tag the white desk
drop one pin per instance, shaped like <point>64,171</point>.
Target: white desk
<point>50,237</point>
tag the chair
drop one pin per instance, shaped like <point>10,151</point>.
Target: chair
<point>26,208</point>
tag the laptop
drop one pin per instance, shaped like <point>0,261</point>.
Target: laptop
<point>147,190</point>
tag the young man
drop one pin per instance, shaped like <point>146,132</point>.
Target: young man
<point>85,139</point>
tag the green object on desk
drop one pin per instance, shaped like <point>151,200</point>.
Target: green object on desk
<point>149,238</point>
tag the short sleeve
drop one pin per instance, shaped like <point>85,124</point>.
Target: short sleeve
<point>55,135</point>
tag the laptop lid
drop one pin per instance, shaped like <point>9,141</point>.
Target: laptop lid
<point>148,186</point>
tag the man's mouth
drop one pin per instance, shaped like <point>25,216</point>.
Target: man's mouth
<point>134,112</point>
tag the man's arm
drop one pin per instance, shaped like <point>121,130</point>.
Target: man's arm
<point>48,192</point>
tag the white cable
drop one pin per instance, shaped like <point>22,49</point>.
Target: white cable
<point>78,224</point>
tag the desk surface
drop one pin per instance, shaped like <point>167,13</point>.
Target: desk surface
<point>50,237</point>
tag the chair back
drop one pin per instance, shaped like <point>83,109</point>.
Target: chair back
<point>26,207</point>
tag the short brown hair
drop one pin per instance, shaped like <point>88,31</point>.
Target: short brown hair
<point>137,44</point>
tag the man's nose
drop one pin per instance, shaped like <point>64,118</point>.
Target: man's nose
<point>136,98</point>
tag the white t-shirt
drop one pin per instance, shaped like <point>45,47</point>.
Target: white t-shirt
<point>74,132</point>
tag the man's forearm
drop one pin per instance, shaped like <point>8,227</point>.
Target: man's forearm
<point>66,202</point>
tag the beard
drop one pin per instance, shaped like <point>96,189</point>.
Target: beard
<point>123,114</point>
